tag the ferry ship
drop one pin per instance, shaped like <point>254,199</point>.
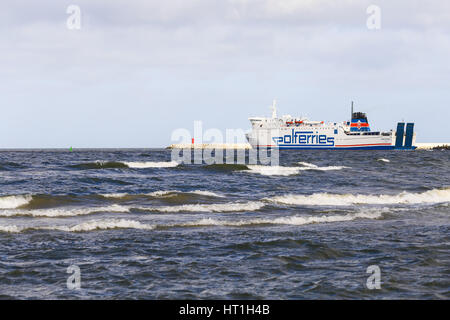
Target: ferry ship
<point>288,132</point>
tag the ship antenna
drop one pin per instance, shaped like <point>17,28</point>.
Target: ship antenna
<point>274,109</point>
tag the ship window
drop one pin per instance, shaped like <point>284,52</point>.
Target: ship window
<point>335,131</point>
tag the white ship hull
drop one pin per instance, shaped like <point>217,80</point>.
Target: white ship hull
<point>300,133</point>
<point>318,138</point>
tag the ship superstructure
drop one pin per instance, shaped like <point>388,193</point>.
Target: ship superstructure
<point>289,132</point>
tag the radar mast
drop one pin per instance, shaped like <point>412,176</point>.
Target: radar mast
<point>274,109</point>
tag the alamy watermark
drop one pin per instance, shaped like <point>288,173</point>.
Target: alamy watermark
<point>73,22</point>
<point>374,280</point>
<point>211,146</point>
<point>374,20</point>
<point>74,280</point>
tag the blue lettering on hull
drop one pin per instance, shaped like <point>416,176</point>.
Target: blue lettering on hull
<point>304,139</point>
<point>314,147</point>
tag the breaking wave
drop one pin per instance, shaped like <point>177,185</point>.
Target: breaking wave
<point>92,225</point>
<point>10,229</point>
<point>71,212</point>
<point>207,193</point>
<point>114,195</point>
<point>11,206</point>
<point>107,224</point>
<point>294,220</point>
<point>219,207</point>
<point>12,202</point>
<point>63,212</point>
<point>162,193</point>
<point>143,165</point>
<point>287,171</point>
<point>273,170</point>
<point>310,166</point>
<point>103,225</point>
<point>383,160</point>
<point>328,199</point>
<point>118,165</point>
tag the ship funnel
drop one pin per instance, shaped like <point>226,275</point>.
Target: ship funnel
<point>359,122</point>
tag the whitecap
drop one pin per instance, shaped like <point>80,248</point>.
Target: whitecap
<point>273,170</point>
<point>310,166</point>
<point>102,225</point>
<point>63,212</point>
<point>328,199</point>
<point>10,229</point>
<point>143,165</point>
<point>218,207</point>
<point>162,193</point>
<point>15,201</point>
<point>105,224</point>
<point>114,195</point>
<point>293,220</point>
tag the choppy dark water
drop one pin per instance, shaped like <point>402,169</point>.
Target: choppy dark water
<point>139,227</point>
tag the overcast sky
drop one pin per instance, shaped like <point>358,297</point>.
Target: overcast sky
<point>137,70</point>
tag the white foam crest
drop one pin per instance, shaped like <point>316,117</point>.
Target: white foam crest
<point>92,225</point>
<point>327,199</point>
<point>114,195</point>
<point>294,220</point>
<point>219,207</point>
<point>329,168</point>
<point>142,165</point>
<point>288,171</point>
<point>10,229</point>
<point>63,212</point>
<point>107,224</point>
<point>12,202</point>
<point>102,225</point>
<point>384,160</point>
<point>273,170</point>
<point>162,193</point>
<point>310,166</point>
<point>207,193</point>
